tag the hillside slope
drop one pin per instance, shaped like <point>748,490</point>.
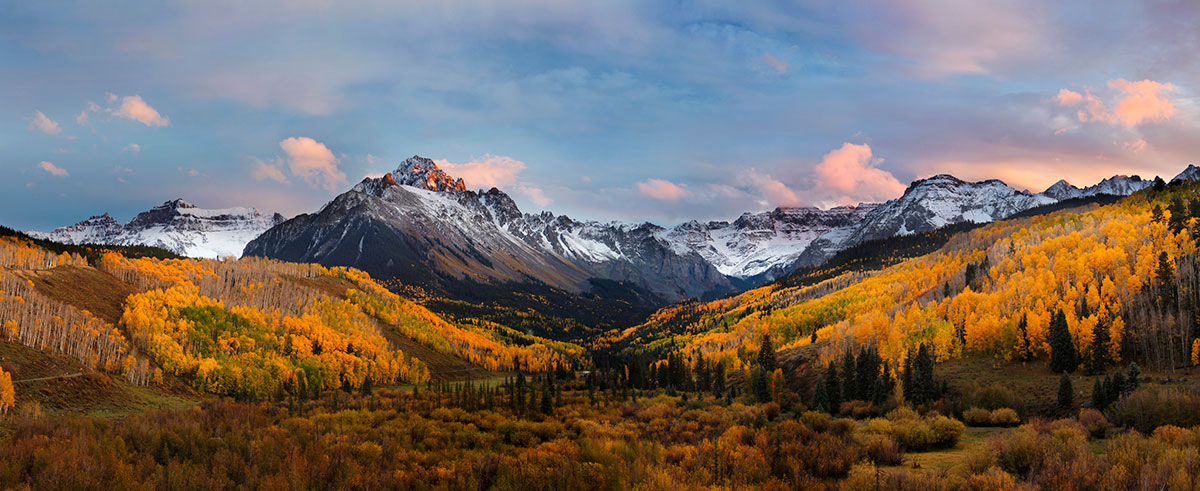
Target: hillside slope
<point>1127,268</point>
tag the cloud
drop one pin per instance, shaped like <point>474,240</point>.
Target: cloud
<point>54,170</point>
<point>662,190</point>
<point>1133,103</point>
<point>1143,102</point>
<point>1068,98</point>
<point>313,162</point>
<point>272,171</point>
<point>774,191</point>
<point>486,172</point>
<point>850,175</point>
<point>133,107</point>
<point>775,63</point>
<point>39,122</point>
<point>534,193</point>
<point>132,148</point>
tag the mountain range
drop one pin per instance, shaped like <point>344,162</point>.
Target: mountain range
<point>422,226</point>
<point>177,226</point>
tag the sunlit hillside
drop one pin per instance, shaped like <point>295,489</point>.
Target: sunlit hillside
<point>250,328</point>
<point>1124,273</point>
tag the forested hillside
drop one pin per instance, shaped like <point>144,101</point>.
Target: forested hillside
<point>251,328</point>
<point>1123,276</point>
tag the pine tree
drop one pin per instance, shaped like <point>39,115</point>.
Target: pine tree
<point>833,387</point>
<point>907,380</point>
<point>926,386</point>
<point>766,354</point>
<point>1133,379</point>
<point>1100,356</point>
<point>759,385</point>
<point>1066,394</point>
<point>866,373</point>
<point>849,367</point>
<point>820,398</point>
<point>1178,219</point>
<point>1099,398</point>
<point>1156,213</point>
<point>1165,275</point>
<point>1063,357</point>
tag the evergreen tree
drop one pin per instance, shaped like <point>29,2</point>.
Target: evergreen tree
<point>759,385</point>
<point>1066,394</point>
<point>926,386</point>
<point>1110,390</point>
<point>849,368</point>
<point>1178,220</point>
<point>907,381</point>
<point>1099,398</point>
<point>719,380</point>
<point>866,373</point>
<point>946,290</point>
<point>820,398</point>
<point>833,387</point>
<point>766,354</point>
<point>883,387</point>
<point>1156,213</point>
<point>1100,356</point>
<point>1133,379</point>
<point>703,376</point>
<point>1063,357</point>
<point>1165,275</point>
<point>547,406</point>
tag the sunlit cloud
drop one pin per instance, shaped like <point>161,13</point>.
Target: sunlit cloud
<point>133,107</point>
<point>487,172</point>
<point>850,175</point>
<point>52,169</point>
<point>1132,104</point>
<point>40,122</point>
<point>132,148</point>
<point>314,162</point>
<point>273,171</point>
<point>774,192</point>
<point>662,190</point>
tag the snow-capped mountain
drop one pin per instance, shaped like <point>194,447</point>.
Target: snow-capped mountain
<point>418,223</point>
<point>1191,173</point>
<point>417,233</point>
<point>763,244</point>
<point>177,226</point>
<point>1115,185</point>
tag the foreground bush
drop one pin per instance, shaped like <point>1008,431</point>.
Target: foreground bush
<point>1151,407</point>
<point>915,433</point>
<point>997,417</point>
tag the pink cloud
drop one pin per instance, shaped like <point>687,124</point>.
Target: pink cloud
<point>487,172</point>
<point>1068,97</point>
<point>272,171</point>
<point>312,161</point>
<point>774,191</point>
<point>40,122</point>
<point>1134,103</point>
<point>849,175</point>
<point>133,107</point>
<point>1143,102</point>
<point>775,63</point>
<point>54,170</point>
<point>662,190</point>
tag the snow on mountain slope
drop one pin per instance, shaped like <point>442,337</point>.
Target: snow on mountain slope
<point>177,226</point>
<point>1191,173</point>
<point>418,219</point>
<point>1115,185</point>
<point>755,244</point>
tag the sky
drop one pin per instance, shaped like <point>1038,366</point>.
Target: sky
<point>627,110</point>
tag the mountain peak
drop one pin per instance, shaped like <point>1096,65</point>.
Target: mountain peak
<point>423,173</point>
<point>1191,173</point>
